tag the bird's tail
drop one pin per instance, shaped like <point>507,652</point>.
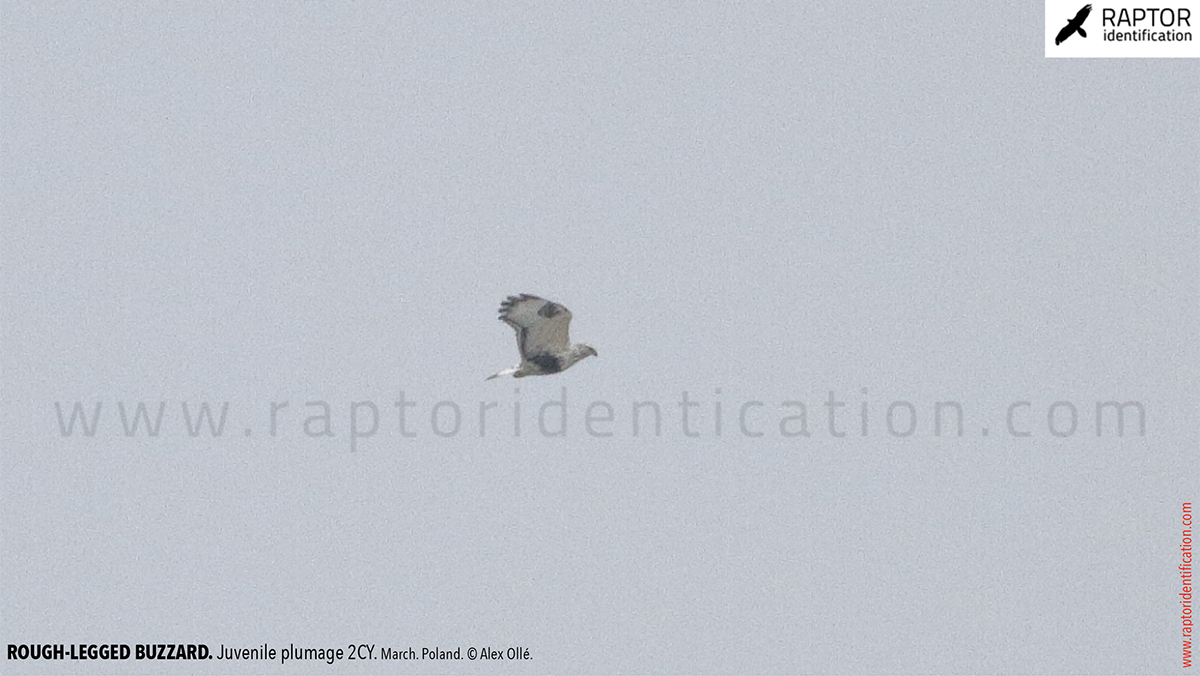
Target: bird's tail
<point>505,372</point>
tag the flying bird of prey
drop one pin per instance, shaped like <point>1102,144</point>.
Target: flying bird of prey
<point>1073,25</point>
<point>541,337</point>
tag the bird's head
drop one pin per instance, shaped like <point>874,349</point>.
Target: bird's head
<point>586,351</point>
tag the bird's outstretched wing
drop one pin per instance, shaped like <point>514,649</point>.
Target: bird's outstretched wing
<point>1080,18</point>
<point>541,325</point>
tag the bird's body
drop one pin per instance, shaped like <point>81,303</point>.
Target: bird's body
<point>542,337</point>
<point>1074,25</point>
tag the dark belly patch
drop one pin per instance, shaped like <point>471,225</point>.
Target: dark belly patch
<point>546,363</point>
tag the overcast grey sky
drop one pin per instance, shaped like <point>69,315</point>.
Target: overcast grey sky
<point>261,203</point>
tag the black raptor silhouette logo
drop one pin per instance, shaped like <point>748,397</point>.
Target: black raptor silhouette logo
<point>1073,25</point>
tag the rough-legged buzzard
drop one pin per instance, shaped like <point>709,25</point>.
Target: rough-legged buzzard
<point>541,337</point>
